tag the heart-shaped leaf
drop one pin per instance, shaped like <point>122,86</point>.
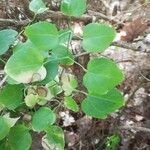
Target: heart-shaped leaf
<point>43,118</point>
<point>25,63</point>
<point>100,107</point>
<point>71,104</point>
<point>7,37</point>
<point>43,34</point>
<point>11,96</point>
<point>52,71</point>
<point>73,7</point>
<point>19,138</point>
<point>97,37</point>
<point>63,55</point>
<point>102,76</point>
<point>54,138</point>
<point>37,6</point>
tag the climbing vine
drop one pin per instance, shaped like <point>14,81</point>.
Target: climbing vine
<point>36,76</point>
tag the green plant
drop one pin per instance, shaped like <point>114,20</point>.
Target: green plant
<point>34,78</point>
<point>112,142</point>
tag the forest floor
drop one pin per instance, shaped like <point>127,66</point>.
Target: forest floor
<point>132,123</point>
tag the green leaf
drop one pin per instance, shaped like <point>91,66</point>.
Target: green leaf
<point>54,88</point>
<point>43,118</point>
<point>19,138</point>
<point>24,63</point>
<point>63,55</point>
<point>97,37</point>
<point>31,100</point>
<point>37,6</point>
<point>102,76</point>
<point>9,80</point>
<point>69,83</point>
<point>43,34</point>
<point>7,37</point>
<point>73,7</point>
<point>4,145</point>
<point>10,121</point>
<point>11,96</point>
<point>100,107</point>
<point>4,128</point>
<point>65,36</point>
<point>71,104</point>
<point>52,71</point>
<point>42,102</point>
<point>54,138</point>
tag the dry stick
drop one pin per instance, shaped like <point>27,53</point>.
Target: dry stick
<point>58,15</point>
<point>126,46</point>
<point>99,15</point>
<point>136,128</point>
<point>14,22</point>
<point>121,44</point>
<point>144,77</point>
<point>85,18</point>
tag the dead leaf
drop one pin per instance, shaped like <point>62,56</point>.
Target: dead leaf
<point>133,30</point>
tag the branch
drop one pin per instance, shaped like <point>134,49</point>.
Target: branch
<point>126,45</point>
<point>118,44</point>
<point>14,22</point>
<point>99,15</point>
<point>143,129</point>
<point>58,16</point>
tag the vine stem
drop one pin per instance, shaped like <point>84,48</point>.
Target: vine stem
<point>80,66</point>
<point>2,61</point>
<point>3,81</point>
<point>81,92</point>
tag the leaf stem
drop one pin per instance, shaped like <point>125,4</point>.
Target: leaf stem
<point>80,66</point>
<point>81,92</point>
<point>2,61</point>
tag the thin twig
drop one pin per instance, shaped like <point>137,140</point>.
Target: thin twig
<point>14,22</point>
<point>126,46</point>
<point>80,65</point>
<point>99,15</point>
<point>81,54</point>
<point>3,81</point>
<point>58,15</point>
<point>144,77</point>
<point>143,129</point>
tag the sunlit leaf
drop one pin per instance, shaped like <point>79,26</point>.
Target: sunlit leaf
<point>7,37</point>
<point>24,64</point>
<point>69,83</point>
<point>100,107</point>
<point>43,118</point>
<point>37,6</point>
<point>70,103</point>
<point>31,100</point>
<point>54,138</point>
<point>73,7</point>
<point>97,37</point>
<point>102,76</point>
<point>63,55</point>
<point>43,34</point>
